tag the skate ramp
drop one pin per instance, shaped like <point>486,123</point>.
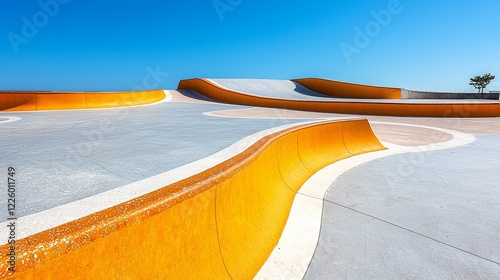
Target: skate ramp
<point>36,101</point>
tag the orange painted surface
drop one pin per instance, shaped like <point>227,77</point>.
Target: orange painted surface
<point>222,223</point>
<point>349,90</point>
<point>34,101</point>
<point>215,92</point>
<point>290,165</point>
<point>315,153</point>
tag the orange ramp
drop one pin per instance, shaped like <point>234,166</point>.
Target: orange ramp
<point>349,90</point>
<point>222,223</point>
<point>358,107</point>
<point>35,101</point>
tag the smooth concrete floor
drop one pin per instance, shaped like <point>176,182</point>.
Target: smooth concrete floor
<point>64,156</point>
<point>381,221</point>
<point>432,215</point>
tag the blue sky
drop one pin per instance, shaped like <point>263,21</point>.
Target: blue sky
<point>117,45</point>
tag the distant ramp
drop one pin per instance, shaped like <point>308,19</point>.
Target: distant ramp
<point>266,95</point>
<point>349,90</point>
<point>37,101</point>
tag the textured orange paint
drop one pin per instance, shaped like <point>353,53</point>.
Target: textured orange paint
<point>33,101</point>
<point>325,147</point>
<point>215,92</point>
<point>357,138</point>
<point>290,166</point>
<point>219,224</point>
<point>252,209</point>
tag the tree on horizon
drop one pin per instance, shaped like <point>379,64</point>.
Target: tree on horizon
<point>481,82</point>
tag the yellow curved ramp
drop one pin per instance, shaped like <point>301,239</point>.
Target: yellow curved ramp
<point>349,90</point>
<point>382,108</point>
<point>222,223</point>
<point>35,101</point>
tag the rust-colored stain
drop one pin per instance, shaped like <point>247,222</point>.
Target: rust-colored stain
<point>213,91</point>
<point>222,223</point>
<point>35,101</point>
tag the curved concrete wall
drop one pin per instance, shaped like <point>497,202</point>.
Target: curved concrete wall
<point>34,101</point>
<point>215,92</point>
<point>348,90</point>
<point>220,224</point>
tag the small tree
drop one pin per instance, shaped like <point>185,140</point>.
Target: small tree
<point>481,82</point>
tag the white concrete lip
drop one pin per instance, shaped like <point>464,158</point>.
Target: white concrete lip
<point>44,220</point>
<point>291,257</point>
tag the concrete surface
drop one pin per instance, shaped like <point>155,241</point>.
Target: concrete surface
<point>467,125</point>
<point>284,89</point>
<point>298,243</point>
<point>289,90</point>
<point>420,215</point>
<point>65,156</point>
<point>413,94</point>
<point>431,215</point>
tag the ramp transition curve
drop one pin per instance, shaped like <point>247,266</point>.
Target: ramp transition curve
<point>348,90</point>
<point>360,106</point>
<point>222,223</point>
<point>34,101</point>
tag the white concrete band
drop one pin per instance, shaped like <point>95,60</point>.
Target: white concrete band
<point>295,250</point>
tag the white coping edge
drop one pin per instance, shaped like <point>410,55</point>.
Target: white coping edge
<point>290,259</point>
<point>168,98</point>
<point>10,119</point>
<point>50,218</point>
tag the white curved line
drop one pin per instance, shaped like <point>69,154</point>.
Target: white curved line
<point>214,114</point>
<point>296,247</point>
<point>38,222</point>
<point>9,119</point>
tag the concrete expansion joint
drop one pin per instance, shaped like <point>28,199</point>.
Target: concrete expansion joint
<point>411,231</point>
<point>250,187</point>
<point>310,202</point>
<point>218,235</point>
<point>300,157</point>
<point>283,178</point>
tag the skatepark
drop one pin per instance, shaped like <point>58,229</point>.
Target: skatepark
<point>252,179</point>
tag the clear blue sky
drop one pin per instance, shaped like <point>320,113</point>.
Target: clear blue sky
<point>114,45</point>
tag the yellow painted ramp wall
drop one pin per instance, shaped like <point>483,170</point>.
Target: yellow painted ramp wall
<point>222,223</point>
<point>35,101</point>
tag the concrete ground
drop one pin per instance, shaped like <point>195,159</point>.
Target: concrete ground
<point>420,215</point>
<point>432,215</point>
<point>65,156</point>
<point>428,211</point>
<point>423,215</point>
